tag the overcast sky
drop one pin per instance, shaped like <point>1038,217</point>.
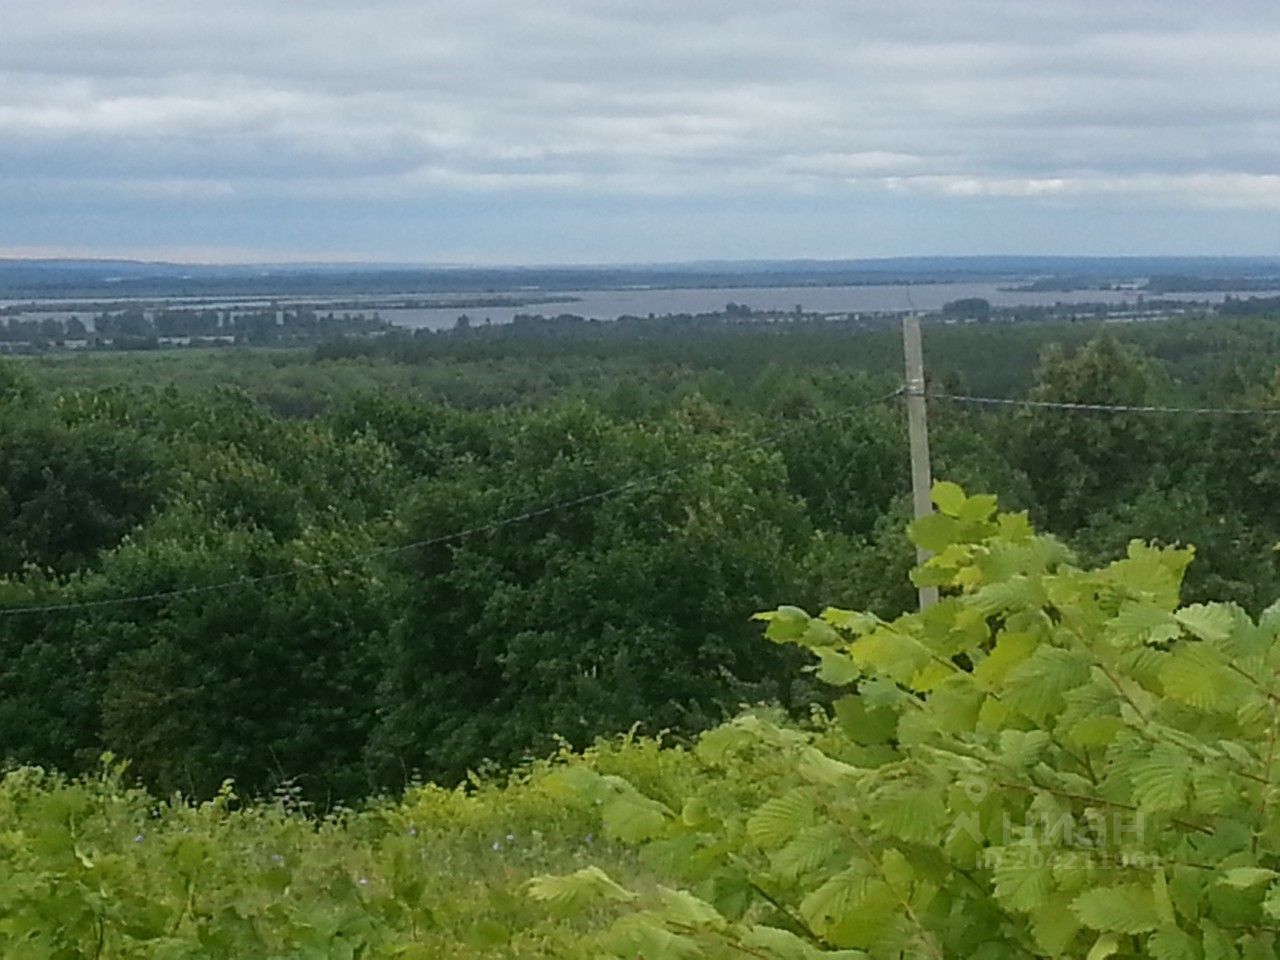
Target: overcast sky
<point>537,131</point>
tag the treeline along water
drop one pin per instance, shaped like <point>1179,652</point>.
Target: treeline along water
<point>611,304</point>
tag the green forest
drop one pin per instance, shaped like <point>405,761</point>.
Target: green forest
<point>288,588</point>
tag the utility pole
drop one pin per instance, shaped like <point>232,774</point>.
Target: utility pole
<point>918,431</point>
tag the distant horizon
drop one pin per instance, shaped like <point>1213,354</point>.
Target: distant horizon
<point>795,261</point>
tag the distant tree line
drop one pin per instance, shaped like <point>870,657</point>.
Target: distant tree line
<point>136,327</point>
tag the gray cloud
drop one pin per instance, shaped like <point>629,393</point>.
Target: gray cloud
<point>1169,103</point>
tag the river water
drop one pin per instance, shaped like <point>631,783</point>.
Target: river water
<point>611,304</point>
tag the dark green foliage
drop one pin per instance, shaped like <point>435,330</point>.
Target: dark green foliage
<point>630,610</point>
<point>1236,560</point>
<point>265,685</point>
<point>1075,461</point>
<point>68,491</point>
<point>974,308</point>
<point>848,470</point>
<point>777,485</point>
<point>15,387</point>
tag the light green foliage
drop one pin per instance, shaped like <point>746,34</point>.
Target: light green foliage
<point>93,868</point>
<point>1050,762</point>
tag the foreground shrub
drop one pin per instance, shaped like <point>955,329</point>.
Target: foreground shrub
<point>93,868</point>
<point>1050,762</point>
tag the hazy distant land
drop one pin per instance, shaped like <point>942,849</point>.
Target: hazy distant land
<point>27,279</point>
<point>75,305</point>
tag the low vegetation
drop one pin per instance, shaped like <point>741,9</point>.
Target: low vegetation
<point>1053,761</point>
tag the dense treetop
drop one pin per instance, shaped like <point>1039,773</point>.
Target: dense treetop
<point>773,478</point>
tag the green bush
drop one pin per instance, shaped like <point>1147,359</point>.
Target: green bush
<point>94,868</point>
<point>1050,762</point>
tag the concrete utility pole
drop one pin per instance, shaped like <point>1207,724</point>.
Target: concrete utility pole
<point>918,431</point>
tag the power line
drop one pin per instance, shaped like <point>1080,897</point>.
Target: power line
<point>1103,407</point>
<point>457,536</point>
<point>608,494</point>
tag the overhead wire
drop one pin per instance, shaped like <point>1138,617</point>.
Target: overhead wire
<point>618,490</point>
<point>426,543</point>
<point>1103,407</point>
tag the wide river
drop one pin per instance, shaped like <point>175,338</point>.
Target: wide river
<point>611,304</point>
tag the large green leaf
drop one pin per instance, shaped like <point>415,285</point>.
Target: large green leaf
<point>1126,908</point>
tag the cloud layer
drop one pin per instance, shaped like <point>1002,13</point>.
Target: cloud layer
<point>113,111</point>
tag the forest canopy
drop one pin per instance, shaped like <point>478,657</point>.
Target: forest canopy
<point>275,520</point>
